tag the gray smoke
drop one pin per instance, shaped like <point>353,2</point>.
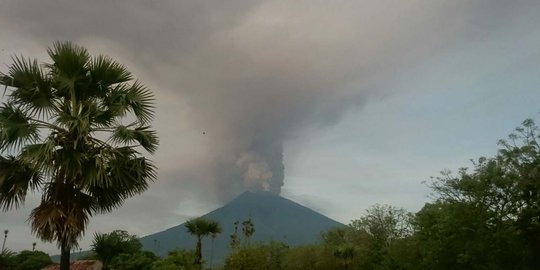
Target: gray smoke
<point>235,80</point>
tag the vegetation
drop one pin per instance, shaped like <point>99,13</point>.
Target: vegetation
<point>178,259</point>
<point>7,259</point>
<point>24,260</point>
<point>61,134</point>
<point>200,227</point>
<point>261,256</point>
<point>140,260</point>
<point>110,245</point>
<point>248,229</point>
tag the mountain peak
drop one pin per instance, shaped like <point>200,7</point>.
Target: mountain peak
<point>275,218</point>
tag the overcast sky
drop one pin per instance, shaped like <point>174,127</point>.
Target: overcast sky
<point>337,105</point>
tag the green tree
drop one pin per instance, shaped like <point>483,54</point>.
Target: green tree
<point>261,256</point>
<point>382,226</point>
<point>31,260</point>
<point>370,242</point>
<point>177,260</point>
<point>7,259</point>
<point>109,245</point>
<point>201,227</point>
<point>384,223</point>
<point>248,229</point>
<point>306,257</point>
<point>342,248</point>
<point>62,134</point>
<point>521,155</point>
<point>234,241</point>
<point>486,217</point>
<point>141,260</point>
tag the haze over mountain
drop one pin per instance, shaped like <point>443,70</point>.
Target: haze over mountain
<point>274,217</point>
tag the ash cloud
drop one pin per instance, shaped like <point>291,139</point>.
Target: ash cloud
<point>236,79</point>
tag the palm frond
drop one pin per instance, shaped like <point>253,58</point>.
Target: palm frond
<point>70,60</point>
<point>202,226</point>
<point>41,155</point>
<point>104,118</point>
<point>141,102</point>
<point>134,98</point>
<point>69,71</point>
<point>96,168</point>
<point>33,89</point>
<point>16,128</point>
<point>16,179</point>
<point>146,137</point>
<point>127,175</point>
<point>6,81</point>
<point>115,104</point>
<point>105,72</point>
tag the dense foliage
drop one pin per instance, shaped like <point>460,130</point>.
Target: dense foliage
<point>178,260</point>
<point>110,245</point>
<point>24,260</point>
<point>260,256</point>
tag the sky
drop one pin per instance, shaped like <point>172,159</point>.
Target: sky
<point>337,105</point>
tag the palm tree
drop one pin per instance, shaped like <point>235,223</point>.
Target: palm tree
<point>213,236</point>
<point>5,237</point>
<point>248,229</point>
<point>72,130</point>
<point>200,228</point>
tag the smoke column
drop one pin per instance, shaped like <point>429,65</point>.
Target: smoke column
<point>250,74</point>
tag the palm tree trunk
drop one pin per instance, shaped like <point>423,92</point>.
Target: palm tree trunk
<point>64,258</point>
<point>212,252</point>
<point>198,251</point>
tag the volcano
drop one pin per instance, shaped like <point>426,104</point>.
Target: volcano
<point>275,219</point>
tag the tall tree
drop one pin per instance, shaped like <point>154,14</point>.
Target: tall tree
<point>248,229</point>
<point>107,246</point>
<point>487,217</point>
<point>234,240</point>
<point>72,129</point>
<point>31,260</point>
<point>5,237</point>
<point>200,227</point>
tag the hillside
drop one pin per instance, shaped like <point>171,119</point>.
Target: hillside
<point>275,218</point>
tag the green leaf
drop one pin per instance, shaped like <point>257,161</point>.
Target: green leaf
<point>143,135</point>
<point>16,127</point>
<point>16,178</point>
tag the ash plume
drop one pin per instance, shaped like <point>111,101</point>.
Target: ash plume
<point>235,80</point>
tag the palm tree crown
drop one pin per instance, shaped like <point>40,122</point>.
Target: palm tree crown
<point>201,227</point>
<point>72,129</point>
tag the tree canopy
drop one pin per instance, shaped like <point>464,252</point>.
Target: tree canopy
<point>109,245</point>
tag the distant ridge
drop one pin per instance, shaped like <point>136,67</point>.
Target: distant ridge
<point>275,219</point>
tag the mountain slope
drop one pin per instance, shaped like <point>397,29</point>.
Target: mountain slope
<point>275,219</point>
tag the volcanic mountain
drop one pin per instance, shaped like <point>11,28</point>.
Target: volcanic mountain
<point>274,217</point>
